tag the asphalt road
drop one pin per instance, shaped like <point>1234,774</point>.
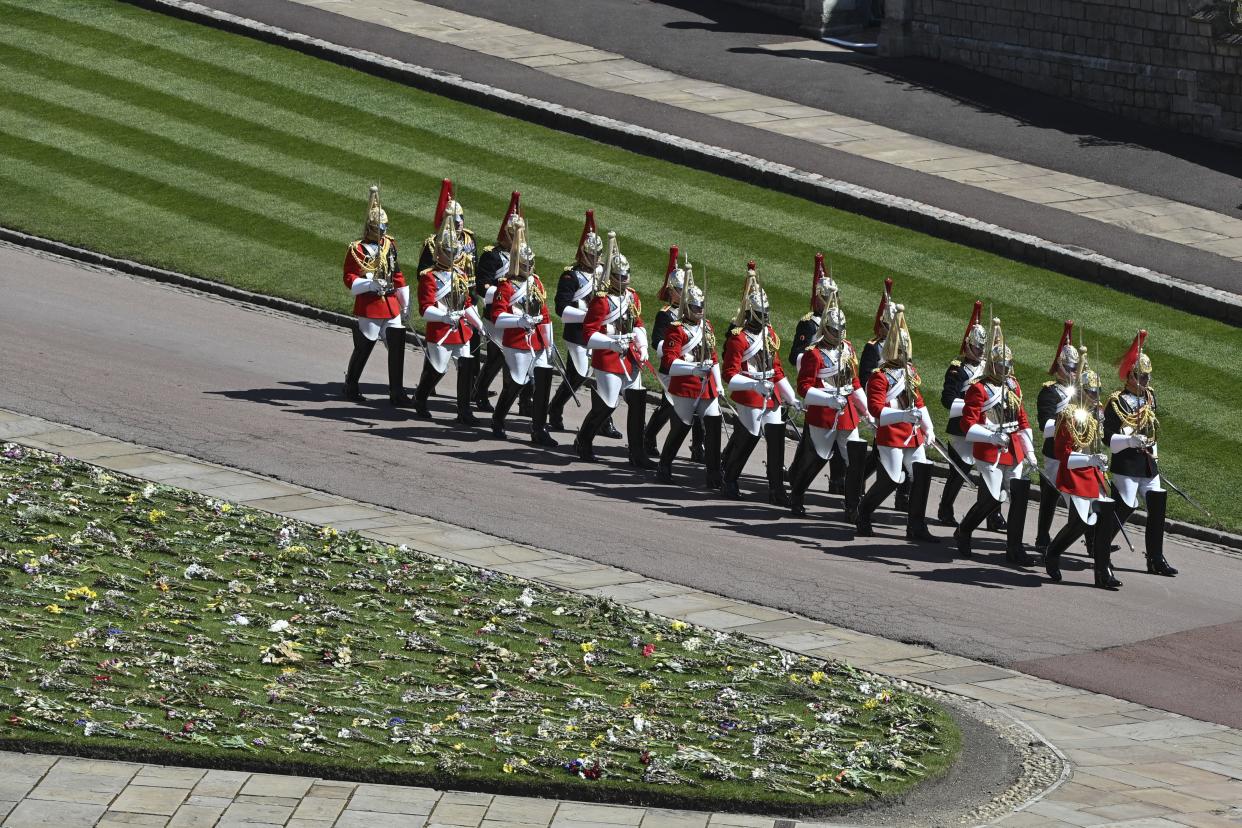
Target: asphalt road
<point>718,42</point>
<point>258,390</point>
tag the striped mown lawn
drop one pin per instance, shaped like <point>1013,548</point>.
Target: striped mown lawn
<point>177,145</point>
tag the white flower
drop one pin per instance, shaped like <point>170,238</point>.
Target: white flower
<point>239,620</point>
<point>865,688</point>
<point>758,773</point>
<point>692,644</point>
<point>639,724</point>
<point>343,733</point>
<point>278,626</point>
<point>527,598</point>
<point>149,490</point>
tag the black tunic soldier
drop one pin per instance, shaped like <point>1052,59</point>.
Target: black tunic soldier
<point>823,289</point>
<point>869,359</point>
<point>961,373</point>
<point>1131,427</point>
<point>467,255</point>
<point>670,294</point>
<point>1054,398</point>
<point>494,265</point>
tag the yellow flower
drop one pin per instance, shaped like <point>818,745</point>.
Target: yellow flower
<point>728,668</point>
<point>570,728</point>
<point>226,507</point>
<point>155,515</point>
<point>133,496</point>
<point>871,704</point>
<point>328,532</point>
<point>818,676</point>
<point>859,745</point>
<point>646,685</point>
<point>794,678</point>
<point>678,626</point>
<point>43,538</point>
<point>458,746</point>
<point>288,671</point>
<point>54,609</point>
<point>81,592</point>
<point>587,646</point>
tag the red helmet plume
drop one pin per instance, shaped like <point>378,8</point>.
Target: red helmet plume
<point>1067,338</point>
<point>1132,356</point>
<point>446,195</point>
<point>515,209</point>
<point>816,276</point>
<point>974,320</point>
<point>884,300</point>
<point>668,271</point>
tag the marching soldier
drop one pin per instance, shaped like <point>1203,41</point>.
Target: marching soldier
<point>449,205</point>
<point>493,264</point>
<point>996,426</point>
<point>957,379</point>
<point>381,299</point>
<point>671,294</point>
<point>618,341</point>
<point>758,388</point>
<point>1080,480</point>
<point>517,310</point>
<point>903,429</point>
<point>835,404</point>
<point>1132,429</point>
<point>689,361</point>
<point>574,293</point>
<point>451,319</point>
<point>1055,396</point>
<point>869,360</point>
<point>823,291</point>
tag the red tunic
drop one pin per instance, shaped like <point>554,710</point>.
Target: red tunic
<point>822,416</point>
<point>372,305</point>
<point>688,386</point>
<point>899,435</point>
<point>735,347</point>
<point>603,359</point>
<point>1085,482</point>
<point>973,414</point>
<point>502,302</point>
<point>428,285</point>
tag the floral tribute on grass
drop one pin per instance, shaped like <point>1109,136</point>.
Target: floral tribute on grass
<point>142,619</point>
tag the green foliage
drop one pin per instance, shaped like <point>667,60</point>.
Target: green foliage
<point>154,621</point>
<point>158,140</point>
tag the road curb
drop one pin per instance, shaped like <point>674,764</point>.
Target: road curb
<point>1071,260</point>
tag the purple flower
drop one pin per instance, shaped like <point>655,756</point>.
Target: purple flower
<point>396,720</point>
<point>14,453</point>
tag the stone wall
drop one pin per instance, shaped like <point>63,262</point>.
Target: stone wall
<point>1176,63</point>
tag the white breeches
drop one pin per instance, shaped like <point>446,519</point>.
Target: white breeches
<point>898,460</point>
<point>962,446</point>
<point>754,419</point>
<point>827,442</point>
<point>687,408</point>
<point>609,385</point>
<point>1084,506</point>
<point>664,380</point>
<point>439,355</point>
<point>521,364</point>
<point>373,329</point>
<point>997,477</point>
<point>580,358</point>
<point>1131,487</point>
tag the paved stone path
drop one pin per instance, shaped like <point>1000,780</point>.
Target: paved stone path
<point>1128,764</point>
<point>1139,212</point>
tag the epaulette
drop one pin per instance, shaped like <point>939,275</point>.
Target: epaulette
<point>489,247</point>
<point>601,293</point>
<point>1114,399</point>
<point>675,322</point>
<point>500,279</point>
<point>430,240</point>
<point>430,270</point>
<point>666,308</point>
<point>734,330</point>
<point>1049,384</point>
<point>957,363</point>
<point>806,318</point>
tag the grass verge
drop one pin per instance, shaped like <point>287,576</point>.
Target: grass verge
<point>148,622</point>
<point>187,148</point>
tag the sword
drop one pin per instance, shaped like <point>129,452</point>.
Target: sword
<point>944,452</point>
<point>1185,496</point>
<point>559,364</point>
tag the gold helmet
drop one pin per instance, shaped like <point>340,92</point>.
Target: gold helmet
<point>999,359</point>
<point>447,245</point>
<point>1065,362</point>
<point>831,323</point>
<point>674,277</point>
<point>823,288</point>
<point>504,236</point>
<point>692,296</point>
<point>898,348</point>
<point>975,337</point>
<point>1136,364</point>
<point>377,220</point>
<point>590,245</point>
<point>448,203</point>
<point>521,257</point>
<point>616,274</point>
<point>755,309</point>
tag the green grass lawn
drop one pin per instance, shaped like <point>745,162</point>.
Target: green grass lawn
<point>142,621</point>
<point>155,139</point>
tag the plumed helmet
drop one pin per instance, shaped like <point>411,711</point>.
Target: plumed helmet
<point>505,234</point>
<point>975,337</point>
<point>1135,361</point>
<point>692,296</point>
<point>886,313</point>
<point>376,217</point>
<point>823,288</point>
<point>620,266</point>
<point>447,205</point>
<point>674,277</point>
<point>526,259</point>
<point>898,347</point>
<point>999,358</point>
<point>755,304</point>
<point>590,245</point>
<point>1065,361</point>
<point>448,244</point>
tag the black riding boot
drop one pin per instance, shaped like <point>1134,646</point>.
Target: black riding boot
<point>584,443</point>
<point>1048,497</point>
<point>855,467</point>
<point>677,431</point>
<point>1070,532</point>
<point>984,506</point>
<point>651,434</point>
<point>916,513</point>
<point>357,361</point>
<point>836,472</point>
<point>394,338</point>
<point>774,434</point>
<point>737,452</point>
<point>902,501</point>
<point>1019,494</point>
<point>876,495</point>
<point>1102,553</point>
<point>802,471</point>
<point>525,400</point>
<point>608,429</point>
<point>539,415</point>
<point>509,391</point>
<point>952,485</point>
<point>635,422</point>
<point>466,370</point>
<point>1156,564</point>
<point>696,441</point>
<point>427,383</point>
<point>564,393</point>
<point>997,524</point>
<point>492,365</point>
<point>711,451</point>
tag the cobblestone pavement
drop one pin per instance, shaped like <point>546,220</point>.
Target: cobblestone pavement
<point>1128,764</point>
<point>1142,213</point>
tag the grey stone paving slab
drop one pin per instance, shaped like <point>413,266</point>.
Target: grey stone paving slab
<point>252,491</point>
<point>123,819</point>
<point>268,784</point>
<point>148,799</point>
<point>380,819</point>
<point>33,813</point>
<point>220,783</point>
<point>170,777</point>
<point>245,813</point>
